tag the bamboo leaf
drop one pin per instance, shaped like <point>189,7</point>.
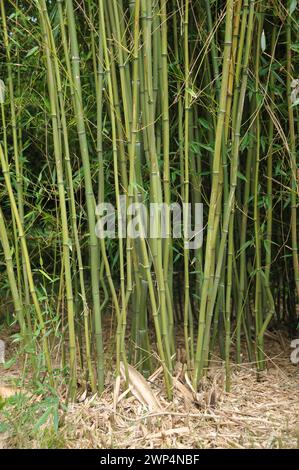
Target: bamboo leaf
<point>2,92</point>
<point>32,52</point>
<point>293,5</point>
<point>191,92</point>
<point>204,123</point>
<point>46,275</point>
<point>8,364</point>
<point>263,41</point>
<point>241,176</point>
<point>43,419</point>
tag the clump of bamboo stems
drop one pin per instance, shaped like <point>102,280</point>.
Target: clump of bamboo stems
<point>162,102</point>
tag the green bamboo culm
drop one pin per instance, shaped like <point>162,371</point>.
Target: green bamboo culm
<point>93,242</point>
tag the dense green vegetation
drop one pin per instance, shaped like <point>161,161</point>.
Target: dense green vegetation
<point>188,101</point>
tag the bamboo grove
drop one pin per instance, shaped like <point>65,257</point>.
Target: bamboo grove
<point>163,101</point>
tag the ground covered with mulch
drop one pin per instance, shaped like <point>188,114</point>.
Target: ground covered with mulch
<point>258,412</point>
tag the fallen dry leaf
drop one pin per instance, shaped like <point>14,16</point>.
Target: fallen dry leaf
<point>140,388</point>
<point>116,392</point>
<point>183,390</point>
<point>168,432</point>
<point>7,392</point>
